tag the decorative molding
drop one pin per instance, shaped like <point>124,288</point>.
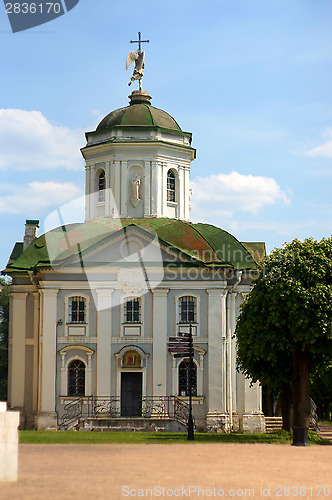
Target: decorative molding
<point>131,280</point>
<point>75,346</point>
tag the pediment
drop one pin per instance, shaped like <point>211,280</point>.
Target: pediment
<point>129,246</point>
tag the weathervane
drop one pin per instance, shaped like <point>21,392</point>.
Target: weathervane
<point>138,57</point>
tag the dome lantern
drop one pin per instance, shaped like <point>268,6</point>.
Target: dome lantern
<point>138,161</point>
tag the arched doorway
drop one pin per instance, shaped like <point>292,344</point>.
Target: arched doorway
<point>131,380</point>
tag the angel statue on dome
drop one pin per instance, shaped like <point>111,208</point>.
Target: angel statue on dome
<point>138,58</point>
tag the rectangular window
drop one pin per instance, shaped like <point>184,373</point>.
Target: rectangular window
<point>76,309</point>
<point>132,310</point>
<point>188,312</point>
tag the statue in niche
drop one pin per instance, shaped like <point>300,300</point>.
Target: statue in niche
<point>135,185</point>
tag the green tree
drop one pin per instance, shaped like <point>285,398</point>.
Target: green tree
<point>4,325</point>
<point>285,324</point>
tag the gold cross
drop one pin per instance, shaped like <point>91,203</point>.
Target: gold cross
<point>139,41</point>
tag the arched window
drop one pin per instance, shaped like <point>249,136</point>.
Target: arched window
<point>76,378</point>
<point>132,310</point>
<point>76,310</point>
<point>102,186</point>
<point>188,309</point>
<point>171,186</point>
<point>184,378</point>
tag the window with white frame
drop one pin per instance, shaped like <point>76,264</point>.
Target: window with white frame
<point>187,309</point>
<point>77,310</point>
<point>171,190</point>
<point>76,378</point>
<point>101,186</point>
<point>132,310</point>
<point>184,389</point>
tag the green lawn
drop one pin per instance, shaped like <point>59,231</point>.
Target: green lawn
<point>72,437</point>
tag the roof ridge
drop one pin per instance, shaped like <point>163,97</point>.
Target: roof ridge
<point>213,250</point>
<point>151,115</point>
<point>231,235</point>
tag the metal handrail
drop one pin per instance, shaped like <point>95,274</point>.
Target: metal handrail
<point>113,407</point>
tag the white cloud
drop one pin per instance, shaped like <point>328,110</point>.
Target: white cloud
<point>29,141</point>
<point>325,150</point>
<point>34,198</point>
<point>224,194</point>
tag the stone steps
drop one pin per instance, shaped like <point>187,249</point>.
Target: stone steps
<point>273,424</point>
<point>131,424</point>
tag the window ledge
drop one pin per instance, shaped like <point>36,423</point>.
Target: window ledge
<point>77,324</point>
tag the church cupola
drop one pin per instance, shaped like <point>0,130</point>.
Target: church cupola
<point>138,163</point>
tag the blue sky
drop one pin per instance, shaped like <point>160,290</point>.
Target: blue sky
<point>251,79</point>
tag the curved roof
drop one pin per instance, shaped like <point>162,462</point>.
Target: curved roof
<point>138,115</point>
<point>201,244</point>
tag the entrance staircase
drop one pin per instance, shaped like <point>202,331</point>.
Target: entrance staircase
<point>163,413</point>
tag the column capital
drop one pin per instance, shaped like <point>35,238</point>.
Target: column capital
<point>218,292</point>
<point>160,292</point>
<point>232,295</point>
<point>104,292</point>
<point>49,292</point>
<point>19,295</point>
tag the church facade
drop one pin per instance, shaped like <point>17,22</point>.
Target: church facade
<point>93,304</point>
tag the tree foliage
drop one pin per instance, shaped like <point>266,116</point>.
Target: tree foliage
<point>288,310</point>
<point>4,326</point>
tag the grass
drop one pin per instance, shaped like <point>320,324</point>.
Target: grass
<point>325,422</point>
<point>72,437</point>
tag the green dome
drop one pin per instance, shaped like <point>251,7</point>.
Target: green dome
<point>139,113</point>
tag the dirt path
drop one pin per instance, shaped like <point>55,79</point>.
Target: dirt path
<point>49,472</point>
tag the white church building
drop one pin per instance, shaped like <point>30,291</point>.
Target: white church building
<point>93,304</point>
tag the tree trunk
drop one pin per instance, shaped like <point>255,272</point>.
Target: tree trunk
<point>286,406</point>
<point>267,401</point>
<point>301,398</point>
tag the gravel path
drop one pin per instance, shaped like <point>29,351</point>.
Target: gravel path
<point>113,471</point>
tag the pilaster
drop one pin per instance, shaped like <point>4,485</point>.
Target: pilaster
<point>116,186</point>
<point>154,188</point>
<point>159,341</point>
<point>231,382</point>
<point>216,417</point>
<point>108,191</point>
<point>147,194</point>
<point>46,417</point>
<point>104,333</point>
<point>186,173</point>
<point>36,298</point>
<point>181,197</point>
<point>123,189</point>
<point>17,375</point>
